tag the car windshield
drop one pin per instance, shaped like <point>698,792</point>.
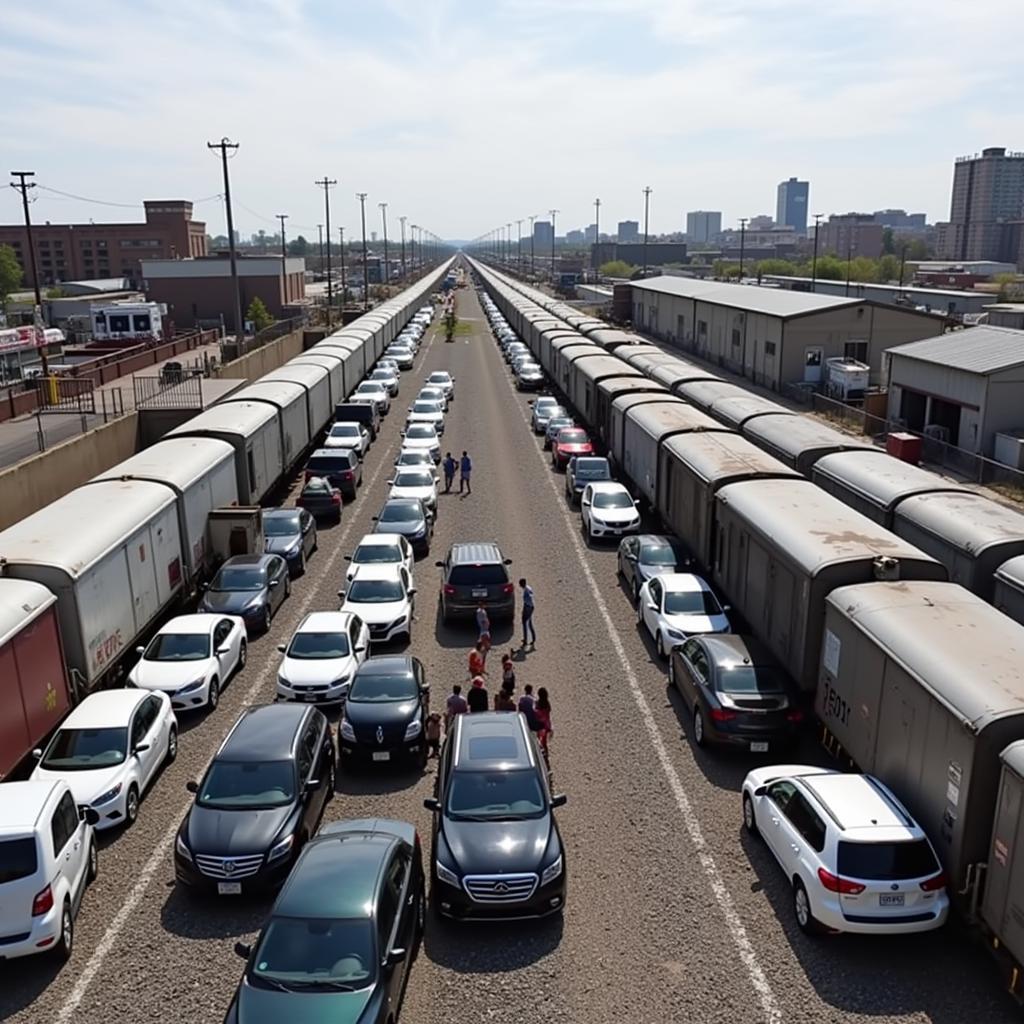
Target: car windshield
<point>421,431</point>
<point>369,553</point>
<point>545,405</point>
<point>571,437</point>
<point>178,647</point>
<point>515,794</point>
<point>374,591</point>
<point>426,406</point>
<point>558,423</point>
<point>661,554</point>
<point>231,785</point>
<point>344,430</point>
<point>368,387</point>
<point>17,859</point>
<point>414,478</point>
<point>414,458</point>
<point>691,602</point>
<point>381,375</point>
<point>612,499</point>
<point>318,486</point>
<point>376,687</point>
<point>328,463</point>
<point>439,378</point>
<point>318,953</point>
<point>399,513</point>
<point>232,578</point>
<point>314,646</point>
<point>82,750</point>
<point>886,862</point>
<point>592,471</point>
<point>749,679</point>
<point>281,526</point>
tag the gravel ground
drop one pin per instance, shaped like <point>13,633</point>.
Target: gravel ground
<point>672,913</point>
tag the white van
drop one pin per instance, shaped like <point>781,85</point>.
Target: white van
<point>47,858</point>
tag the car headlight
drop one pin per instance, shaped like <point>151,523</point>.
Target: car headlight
<point>676,634</point>
<point>340,681</point>
<point>445,875</point>
<point>398,621</point>
<point>179,845</point>
<point>256,602</point>
<point>281,847</point>
<point>281,681</point>
<point>413,729</point>
<point>346,731</point>
<point>104,798</point>
<point>552,871</point>
<point>188,688</point>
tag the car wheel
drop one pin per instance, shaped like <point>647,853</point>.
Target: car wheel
<point>749,821</point>
<point>671,672</point>
<point>172,746</point>
<point>639,615</point>
<point>131,805</point>
<point>66,941</point>
<point>802,909</point>
<point>316,541</point>
<point>243,653</point>
<point>636,593</point>
<point>287,587</point>
<point>659,647</point>
<point>332,776</point>
<point>266,619</point>
<point>213,696</point>
<point>698,728</point>
<point>302,564</point>
<point>93,864</point>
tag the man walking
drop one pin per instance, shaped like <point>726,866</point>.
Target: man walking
<point>465,468</point>
<point>449,472</point>
<point>528,613</point>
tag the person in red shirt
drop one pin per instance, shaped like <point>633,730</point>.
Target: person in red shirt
<point>477,661</point>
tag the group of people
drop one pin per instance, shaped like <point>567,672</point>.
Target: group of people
<point>465,468</point>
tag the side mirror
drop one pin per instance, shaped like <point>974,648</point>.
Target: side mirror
<point>274,580</point>
<point>651,606</point>
<point>140,650</point>
<point>395,956</point>
<point>341,593</point>
<point>37,753</point>
<point>411,592</point>
<point>432,804</point>
<point>391,483</point>
<point>348,558</point>
<point>313,785</point>
<point>192,786</point>
<point>760,791</point>
<point>140,748</point>
<point>425,688</point>
<point>585,503</point>
<point>243,949</point>
<point>226,649</point>
<point>559,800</point>
<point>726,607</point>
<point>360,648</point>
<point>440,565</point>
<point>374,518</point>
<point>281,647</point>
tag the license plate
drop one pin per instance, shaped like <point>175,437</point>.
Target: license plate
<point>229,888</point>
<point>891,899</point>
<point>480,593</point>
<point>759,747</point>
<point>310,697</point>
<point>381,755</point>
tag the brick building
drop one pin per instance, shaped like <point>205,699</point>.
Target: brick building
<point>82,252</point>
<point>851,234</point>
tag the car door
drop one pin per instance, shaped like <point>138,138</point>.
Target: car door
<point>652,606</point>
<point>223,641</point>
<point>147,728</point>
<point>776,799</point>
<point>67,842</point>
<point>689,676</point>
<point>308,528</point>
<point>278,571</point>
<point>389,921</point>
<point>406,587</point>
<point>305,759</point>
<point>630,546</point>
<point>323,758</point>
<point>77,840</point>
<point>585,499</point>
<point>357,641</point>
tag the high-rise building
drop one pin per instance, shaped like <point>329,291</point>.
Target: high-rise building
<point>574,237</point>
<point>703,225</point>
<point>850,235</point>
<point>629,231</point>
<point>762,222</point>
<point>791,205</point>
<point>986,208</point>
<point>590,233</point>
<point>542,234</point>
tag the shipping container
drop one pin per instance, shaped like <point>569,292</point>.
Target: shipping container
<point>35,692</point>
<point>800,441</point>
<point>113,580</point>
<point>352,355</point>
<point>251,428</point>
<point>611,339</point>
<point>612,388</point>
<point>643,356</point>
<point>563,353</point>
<point>584,375</point>
<point>922,685</point>
<point>290,402</point>
<point>674,372</point>
<point>703,392</point>
<point>970,534</point>
<point>621,407</point>
<point>737,411</point>
<point>545,355</point>
<point>200,471</point>
<point>873,482</point>
<point>1008,596</point>
<point>333,363</point>
<point>314,380</point>
<point>782,546</point>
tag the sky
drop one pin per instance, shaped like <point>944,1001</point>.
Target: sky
<point>463,115</point>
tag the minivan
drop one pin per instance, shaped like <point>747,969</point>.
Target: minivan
<point>359,412</point>
<point>475,574</point>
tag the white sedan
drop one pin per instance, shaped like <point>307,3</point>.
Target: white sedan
<point>430,393</point>
<point>109,749</point>
<point>442,379</point>
<point>415,457</point>
<point>422,437</point>
<point>374,389</point>
<point>426,412</point>
<point>415,483</point>
<point>382,596</point>
<point>387,377</point>
<point>321,658</point>
<point>678,605</point>
<point>192,658</point>
<point>381,549</point>
<point>607,509</point>
<point>386,363</point>
<point>348,435</point>
<point>402,354</point>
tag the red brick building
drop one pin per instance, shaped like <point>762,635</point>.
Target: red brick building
<point>84,252</point>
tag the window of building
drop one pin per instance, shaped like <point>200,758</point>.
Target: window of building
<point>59,246</point>
<point>702,328</point>
<point>140,243</point>
<point>101,244</point>
<point>44,244</point>
<point>856,350</point>
<point>769,348</point>
<point>735,338</point>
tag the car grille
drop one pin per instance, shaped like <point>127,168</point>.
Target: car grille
<point>311,689</point>
<point>229,867</point>
<point>390,736</point>
<point>500,888</point>
<point>380,630</point>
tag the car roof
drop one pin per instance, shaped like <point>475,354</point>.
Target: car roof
<point>266,732</point>
<point>492,740</point>
<point>683,581</point>
<point>387,664</point>
<point>858,802</point>
<point>333,453</point>
<point>283,513</point>
<point>337,876</point>
<point>105,709</point>
<point>607,487</point>
<point>376,571</point>
<point>21,803</point>
<point>477,552</point>
<point>440,373</point>
<point>191,623</point>
<point>349,425</point>
<point>379,539</point>
<point>729,648</point>
<point>248,561</point>
<point>320,622</point>
<point>402,502</point>
<point>660,540</point>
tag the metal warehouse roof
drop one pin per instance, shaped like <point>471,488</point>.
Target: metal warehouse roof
<point>770,301</point>
<point>975,349</point>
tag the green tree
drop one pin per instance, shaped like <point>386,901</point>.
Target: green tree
<point>889,269</point>
<point>1011,287</point>
<point>55,293</point>
<point>863,268</point>
<point>10,273</point>
<point>888,242</point>
<point>776,266</point>
<point>298,246</point>
<point>917,250</point>
<point>258,314</point>
<point>616,268</point>
<point>831,268</point>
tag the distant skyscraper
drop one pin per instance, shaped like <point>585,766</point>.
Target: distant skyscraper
<point>574,237</point>
<point>542,234</point>
<point>762,222</point>
<point>703,225</point>
<point>791,205</point>
<point>591,233</point>
<point>629,230</point>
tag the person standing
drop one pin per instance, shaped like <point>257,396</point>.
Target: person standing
<point>477,661</point>
<point>542,712</point>
<point>477,697</point>
<point>483,625</point>
<point>433,734</point>
<point>449,472</point>
<point>455,705</point>
<point>528,613</point>
<point>465,469</point>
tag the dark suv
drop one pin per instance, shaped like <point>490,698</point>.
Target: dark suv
<point>496,849</point>
<point>473,574</point>
<point>341,466</point>
<point>259,801</point>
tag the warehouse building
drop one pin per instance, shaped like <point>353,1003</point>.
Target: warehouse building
<point>951,301</point>
<point>771,336</point>
<point>963,388</point>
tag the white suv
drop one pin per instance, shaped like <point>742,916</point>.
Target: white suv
<point>856,859</point>
<point>47,858</point>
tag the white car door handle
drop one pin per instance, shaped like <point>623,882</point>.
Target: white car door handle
<point>775,821</point>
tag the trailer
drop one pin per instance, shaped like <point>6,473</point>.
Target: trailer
<point>563,352</point>
<point>674,372</point>
<point>113,580</point>
<point>1008,595</point>
<point>35,692</point>
<point>643,356</point>
<point>970,534</point>
<point>782,546</point>
<point>251,429</point>
<point>620,409</point>
<point>736,411</point>
<point>333,363</point>
<point>547,339</point>
<point>352,356</point>
<point>611,339</point>
<point>703,392</point>
<point>800,441</point>
<point>922,685</point>
<point>290,402</point>
<point>612,388</point>
<point>314,380</point>
<point>585,374</point>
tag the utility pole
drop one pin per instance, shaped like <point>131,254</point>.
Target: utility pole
<point>508,248</point>
<point>282,217</point>
<point>554,213</point>
<point>401,220</point>
<point>22,185</point>
<point>361,196</point>
<point>647,208</point>
<point>344,285</point>
<point>814,260</point>
<point>412,247</point>
<point>224,146</point>
<point>320,232</point>
<point>903,262</point>
<point>849,256</point>
<point>597,235</point>
<point>519,245</point>
<point>533,217</point>
<point>384,218</point>
<point>326,183</point>
<point>743,236</point>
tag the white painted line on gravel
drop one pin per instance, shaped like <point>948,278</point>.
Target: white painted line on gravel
<point>163,848</point>
<point>738,933</point>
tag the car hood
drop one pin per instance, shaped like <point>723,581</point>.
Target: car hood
<point>424,417</point>
<point>498,847</point>
<point>282,545</point>
<point>691,624</point>
<point>411,528</point>
<point>574,448</point>
<point>377,614</point>
<point>168,676</point>
<point>342,442</point>
<point>85,786</point>
<point>419,443</point>
<point>615,515</point>
<point>234,833</point>
<point>232,601</point>
<point>310,671</point>
<point>266,1006</point>
<point>423,493</point>
<point>391,712</point>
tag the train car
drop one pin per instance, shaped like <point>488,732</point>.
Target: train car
<point>585,374</point>
<point>611,339</point>
<point>563,353</point>
<point>333,363</point>
<point>548,337</point>
<point>782,546</point>
<point>316,383</point>
<point>800,441</point>
<point>642,356</point>
<point>703,392</point>
<point>292,419</point>
<point>612,388</point>
<point>352,353</point>
<point>674,372</point>
<point>35,692</point>
<point>620,410</point>
<point>736,411</point>
<point>1008,594</point>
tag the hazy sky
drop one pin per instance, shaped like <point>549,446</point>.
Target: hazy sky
<point>466,115</point>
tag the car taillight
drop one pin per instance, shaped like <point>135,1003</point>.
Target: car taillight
<point>335,499</point>
<point>793,715</point>
<point>347,475</point>
<point>841,885</point>
<point>722,715</point>
<point>449,589</point>
<point>308,476</point>
<point>508,588</point>
<point>935,883</point>
<point>43,902</point>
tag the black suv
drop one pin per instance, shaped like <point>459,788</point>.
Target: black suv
<point>259,801</point>
<point>473,574</point>
<point>496,849</point>
<point>341,466</point>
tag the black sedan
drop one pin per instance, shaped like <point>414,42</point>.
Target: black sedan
<point>342,937</point>
<point>252,586</point>
<point>645,555</point>
<point>290,533</point>
<point>321,499</point>
<point>735,692</point>
<point>410,518</point>
<point>385,714</point>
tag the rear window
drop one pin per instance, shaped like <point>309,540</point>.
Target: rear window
<point>477,575</point>
<point>17,859</point>
<point>327,463</point>
<point>886,861</point>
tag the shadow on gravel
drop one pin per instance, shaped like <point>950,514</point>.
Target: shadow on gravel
<point>463,634</point>
<point>483,948</point>
<point>376,781</point>
<point>201,916</point>
<point>23,981</point>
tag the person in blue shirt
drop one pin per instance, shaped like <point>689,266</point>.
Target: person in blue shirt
<point>528,613</point>
<point>449,472</point>
<point>465,468</point>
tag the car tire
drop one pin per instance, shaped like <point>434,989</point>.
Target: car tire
<point>698,728</point>
<point>671,672</point>
<point>243,654</point>
<point>636,593</point>
<point>266,619</point>
<point>66,941</point>
<point>92,869</point>
<point>332,778</point>
<point>172,746</point>
<point>749,821</point>
<point>805,920</point>
<point>302,564</point>
<point>287,588</point>
<point>213,695</point>
<point>659,646</point>
<point>131,806</point>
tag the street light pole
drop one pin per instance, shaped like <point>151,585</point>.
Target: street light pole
<point>401,220</point>
<point>519,245</point>
<point>361,196</point>
<point>743,238</point>
<point>384,219</point>
<point>224,145</point>
<point>326,183</point>
<point>344,284</point>
<point>22,186</point>
<point>532,219</point>
<point>647,210</point>
<point>814,260</point>
<point>412,246</point>
<point>554,213</point>
<point>597,235</point>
